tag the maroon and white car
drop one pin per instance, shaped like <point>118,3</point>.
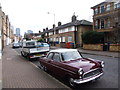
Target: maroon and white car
<point>70,64</point>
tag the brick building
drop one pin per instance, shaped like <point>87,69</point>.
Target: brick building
<point>67,33</point>
<point>106,19</point>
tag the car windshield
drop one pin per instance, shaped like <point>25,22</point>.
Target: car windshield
<point>42,44</point>
<point>72,55</point>
<point>30,43</point>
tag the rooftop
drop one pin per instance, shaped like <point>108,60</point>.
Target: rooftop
<point>75,23</point>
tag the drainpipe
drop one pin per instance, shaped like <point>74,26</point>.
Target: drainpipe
<point>75,37</point>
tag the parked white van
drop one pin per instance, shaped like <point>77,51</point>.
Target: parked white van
<point>34,49</point>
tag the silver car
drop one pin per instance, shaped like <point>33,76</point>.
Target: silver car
<point>15,45</point>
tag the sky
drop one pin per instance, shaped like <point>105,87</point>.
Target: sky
<point>33,14</point>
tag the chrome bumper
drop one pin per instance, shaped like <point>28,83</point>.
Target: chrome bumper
<point>80,81</point>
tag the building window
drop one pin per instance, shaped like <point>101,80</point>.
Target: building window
<point>102,24</point>
<point>108,23</point>
<point>63,39</point>
<point>54,39</point>
<point>51,39</point>
<point>50,33</point>
<point>116,5</point>
<point>102,9</point>
<point>69,38</point>
<point>59,39</point>
<point>45,34</point>
<point>96,11</point>
<point>108,7</point>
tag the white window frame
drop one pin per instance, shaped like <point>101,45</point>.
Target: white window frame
<point>69,38</point>
<point>60,39</point>
<point>63,39</point>
<point>108,7</point>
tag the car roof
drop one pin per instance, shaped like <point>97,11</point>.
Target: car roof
<point>63,50</point>
<point>30,41</point>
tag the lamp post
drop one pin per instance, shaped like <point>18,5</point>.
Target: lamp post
<point>53,15</point>
<point>53,26</point>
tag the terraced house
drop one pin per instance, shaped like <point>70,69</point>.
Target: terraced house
<point>106,19</point>
<point>69,33</point>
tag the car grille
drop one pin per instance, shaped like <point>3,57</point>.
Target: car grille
<point>92,73</point>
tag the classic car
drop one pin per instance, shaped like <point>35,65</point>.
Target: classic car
<point>70,64</point>
<point>34,49</point>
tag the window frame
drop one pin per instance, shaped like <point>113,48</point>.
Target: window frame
<point>52,55</point>
<point>60,59</point>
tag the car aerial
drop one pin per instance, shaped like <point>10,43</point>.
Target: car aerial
<point>34,49</point>
<point>70,64</point>
<point>15,45</point>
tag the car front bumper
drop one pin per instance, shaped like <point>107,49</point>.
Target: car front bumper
<point>80,81</point>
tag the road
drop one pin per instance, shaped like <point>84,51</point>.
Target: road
<point>108,80</point>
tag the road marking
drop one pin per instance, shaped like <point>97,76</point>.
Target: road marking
<point>0,81</point>
<point>34,65</point>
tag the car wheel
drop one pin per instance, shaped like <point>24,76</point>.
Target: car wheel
<point>44,68</point>
<point>40,66</point>
<point>71,83</point>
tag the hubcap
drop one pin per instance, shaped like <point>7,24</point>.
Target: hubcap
<point>71,82</point>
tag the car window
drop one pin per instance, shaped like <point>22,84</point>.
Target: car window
<point>56,57</point>
<point>72,55</point>
<point>50,55</point>
<point>30,43</point>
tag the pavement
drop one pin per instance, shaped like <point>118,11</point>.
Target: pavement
<point>101,53</point>
<point>17,72</point>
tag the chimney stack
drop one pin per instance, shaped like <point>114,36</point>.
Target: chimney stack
<point>74,18</point>
<point>43,30</point>
<point>46,28</point>
<point>53,25</point>
<point>59,23</point>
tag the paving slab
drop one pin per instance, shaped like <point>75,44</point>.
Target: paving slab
<point>19,73</point>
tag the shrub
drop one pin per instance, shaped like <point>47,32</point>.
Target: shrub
<point>40,40</point>
<point>93,37</point>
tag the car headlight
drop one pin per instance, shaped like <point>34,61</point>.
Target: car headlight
<point>80,71</point>
<point>102,64</point>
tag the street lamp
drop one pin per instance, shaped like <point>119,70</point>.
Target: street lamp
<point>53,15</point>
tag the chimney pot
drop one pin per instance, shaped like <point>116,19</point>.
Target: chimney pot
<point>59,23</point>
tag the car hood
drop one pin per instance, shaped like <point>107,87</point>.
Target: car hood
<point>85,64</point>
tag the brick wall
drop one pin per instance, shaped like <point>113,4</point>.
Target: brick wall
<point>115,47</point>
<point>93,47</point>
<point>99,47</point>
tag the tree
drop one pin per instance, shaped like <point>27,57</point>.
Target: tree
<point>40,40</point>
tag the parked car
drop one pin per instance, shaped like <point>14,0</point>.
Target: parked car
<point>33,49</point>
<point>15,45</point>
<point>70,64</point>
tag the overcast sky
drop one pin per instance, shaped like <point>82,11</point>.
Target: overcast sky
<point>32,14</point>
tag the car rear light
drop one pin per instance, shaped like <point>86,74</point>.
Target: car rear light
<point>30,56</point>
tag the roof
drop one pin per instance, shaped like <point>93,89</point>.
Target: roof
<point>63,50</point>
<point>98,4</point>
<point>75,23</point>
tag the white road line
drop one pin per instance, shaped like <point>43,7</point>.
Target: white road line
<point>34,65</point>
<point>0,81</point>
